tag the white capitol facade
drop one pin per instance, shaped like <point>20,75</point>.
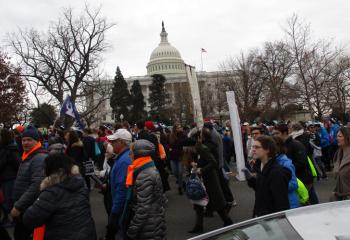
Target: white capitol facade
<point>165,59</point>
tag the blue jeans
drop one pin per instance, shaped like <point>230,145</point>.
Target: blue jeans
<point>176,168</point>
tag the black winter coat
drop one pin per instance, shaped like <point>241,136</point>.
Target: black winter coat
<point>89,147</point>
<point>160,164</point>
<point>209,170</point>
<point>305,140</point>
<point>297,153</point>
<point>77,153</point>
<point>29,176</point>
<point>9,162</point>
<point>63,206</point>
<point>271,188</point>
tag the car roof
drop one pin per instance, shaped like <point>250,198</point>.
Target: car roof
<point>320,221</point>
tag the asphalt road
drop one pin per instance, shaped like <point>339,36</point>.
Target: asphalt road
<point>180,215</point>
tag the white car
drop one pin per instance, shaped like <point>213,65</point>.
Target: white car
<point>317,222</point>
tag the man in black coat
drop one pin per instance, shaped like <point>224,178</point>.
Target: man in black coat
<point>296,151</point>
<point>29,177</point>
<point>147,134</point>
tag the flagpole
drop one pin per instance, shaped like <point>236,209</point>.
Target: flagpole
<point>201,60</point>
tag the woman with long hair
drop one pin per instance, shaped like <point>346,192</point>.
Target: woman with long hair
<point>206,166</point>
<point>75,150</point>
<point>342,166</point>
<point>9,164</point>
<point>63,204</point>
<point>176,139</point>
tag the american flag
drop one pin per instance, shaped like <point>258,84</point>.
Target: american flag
<point>203,50</point>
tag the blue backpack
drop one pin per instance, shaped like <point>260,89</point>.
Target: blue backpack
<point>194,188</point>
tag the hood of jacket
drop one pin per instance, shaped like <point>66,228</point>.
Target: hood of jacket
<point>281,158</point>
<point>72,182</point>
<point>296,134</point>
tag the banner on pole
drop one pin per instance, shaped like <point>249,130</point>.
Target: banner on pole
<point>193,82</point>
<point>236,133</point>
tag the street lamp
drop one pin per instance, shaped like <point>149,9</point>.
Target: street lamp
<point>121,117</point>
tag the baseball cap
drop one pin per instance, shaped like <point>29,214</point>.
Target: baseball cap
<point>120,134</point>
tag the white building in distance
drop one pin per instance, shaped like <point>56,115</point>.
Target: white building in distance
<point>166,60</point>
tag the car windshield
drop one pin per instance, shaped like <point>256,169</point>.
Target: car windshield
<point>269,229</point>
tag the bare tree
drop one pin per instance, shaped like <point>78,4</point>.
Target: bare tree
<point>313,61</point>
<point>63,60</point>
<point>244,77</point>
<point>182,103</point>
<point>276,61</point>
<point>339,87</point>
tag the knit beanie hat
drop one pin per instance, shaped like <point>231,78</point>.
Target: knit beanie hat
<point>142,148</point>
<point>150,126</point>
<point>31,132</point>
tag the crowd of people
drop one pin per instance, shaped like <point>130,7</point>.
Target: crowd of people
<point>46,177</point>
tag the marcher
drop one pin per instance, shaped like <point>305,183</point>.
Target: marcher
<point>255,133</point>
<point>296,151</point>
<point>9,163</point>
<point>342,165</point>
<point>147,134</point>
<point>120,141</point>
<point>30,174</point>
<point>207,167</point>
<point>328,141</point>
<point>212,139</point>
<point>315,142</point>
<point>147,199</point>
<point>75,150</point>
<point>285,162</point>
<point>63,204</point>
<point>271,182</point>
<point>177,137</point>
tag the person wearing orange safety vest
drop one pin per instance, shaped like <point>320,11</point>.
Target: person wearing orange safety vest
<point>27,184</point>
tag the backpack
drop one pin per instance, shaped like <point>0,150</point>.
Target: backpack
<point>195,189</point>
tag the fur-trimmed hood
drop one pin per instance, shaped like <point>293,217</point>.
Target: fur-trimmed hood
<point>62,179</point>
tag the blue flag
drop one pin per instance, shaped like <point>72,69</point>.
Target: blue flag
<point>68,108</point>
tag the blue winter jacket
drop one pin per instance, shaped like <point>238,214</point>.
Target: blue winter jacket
<point>284,161</point>
<point>118,177</point>
<point>325,137</point>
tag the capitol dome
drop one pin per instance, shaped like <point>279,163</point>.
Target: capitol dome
<point>165,59</point>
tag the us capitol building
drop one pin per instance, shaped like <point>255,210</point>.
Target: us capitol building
<point>166,60</point>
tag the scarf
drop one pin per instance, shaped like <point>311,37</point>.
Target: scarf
<point>25,155</point>
<point>137,163</point>
<point>133,170</point>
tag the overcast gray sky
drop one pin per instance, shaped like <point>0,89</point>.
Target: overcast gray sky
<point>222,27</point>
